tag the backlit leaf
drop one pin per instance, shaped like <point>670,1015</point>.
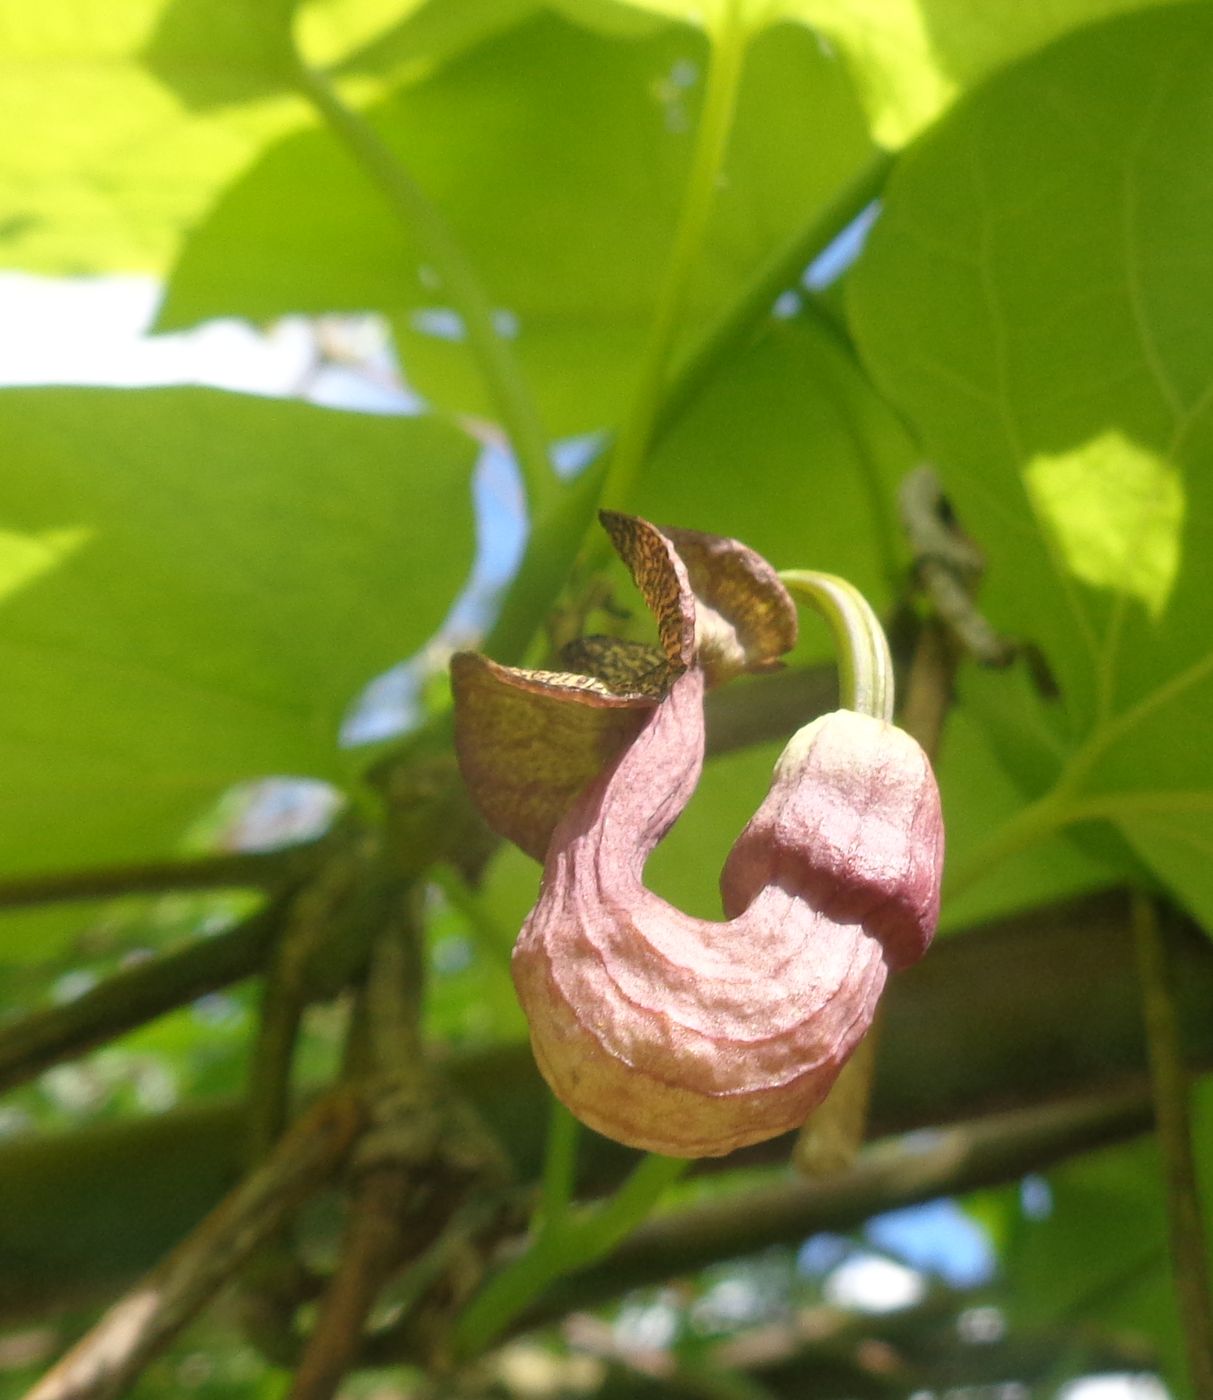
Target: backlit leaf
<point>1033,299</point>
<point>558,157</point>
<point>197,586</point>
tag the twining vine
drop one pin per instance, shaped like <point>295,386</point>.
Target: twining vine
<point>307,892</point>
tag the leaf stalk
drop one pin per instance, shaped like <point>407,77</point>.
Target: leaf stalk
<point>726,60</point>
<point>517,411</point>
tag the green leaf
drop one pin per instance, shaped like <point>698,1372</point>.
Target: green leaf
<point>129,116</point>
<point>910,59</point>
<point>193,586</point>
<point>980,793</point>
<point>112,165</point>
<point>790,449</point>
<point>1099,1256</point>
<point>215,52</point>
<point>430,31</point>
<point>1032,299</point>
<point>558,158</point>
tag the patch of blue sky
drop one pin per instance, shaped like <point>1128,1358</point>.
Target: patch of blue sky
<point>938,1238</point>
<point>829,265</point>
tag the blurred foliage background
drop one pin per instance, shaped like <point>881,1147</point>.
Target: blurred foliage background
<point>736,265</point>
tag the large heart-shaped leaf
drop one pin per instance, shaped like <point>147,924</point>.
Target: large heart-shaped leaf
<point>910,59</point>
<point>1033,298</point>
<point>820,454</point>
<point>115,190</point>
<point>193,586</point>
<point>558,158</point>
<point>180,95</point>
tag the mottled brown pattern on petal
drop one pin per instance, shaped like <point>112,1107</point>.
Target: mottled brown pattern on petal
<point>746,618</point>
<point>625,667</point>
<point>661,578</point>
<point>529,741</point>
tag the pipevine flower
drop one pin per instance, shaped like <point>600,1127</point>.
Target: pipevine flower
<point>667,1032</point>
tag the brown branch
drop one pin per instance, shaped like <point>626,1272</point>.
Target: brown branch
<point>1171,1091</point>
<point>395,990</point>
<point>888,1175</point>
<point>374,1238</point>
<point>985,1024</point>
<point>314,917</point>
<point>929,687</point>
<point>109,1357</point>
<point>947,565</point>
<point>269,1080</point>
<point>133,996</point>
<point>231,870</point>
<point>370,1252</point>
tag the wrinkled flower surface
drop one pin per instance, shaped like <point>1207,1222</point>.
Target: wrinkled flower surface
<point>670,1033</point>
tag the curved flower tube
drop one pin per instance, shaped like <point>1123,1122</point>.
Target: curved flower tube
<point>684,1036</point>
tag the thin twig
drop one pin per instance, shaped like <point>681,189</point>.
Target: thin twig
<point>269,1081</point>
<point>230,870</point>
<point>1171,1090</point>
<point>135,995</point>
<point>374,1234</point>
<point>312,919</point>
<point>109,1357</point>
<point>370,1251</point>
<point>948,566</point>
